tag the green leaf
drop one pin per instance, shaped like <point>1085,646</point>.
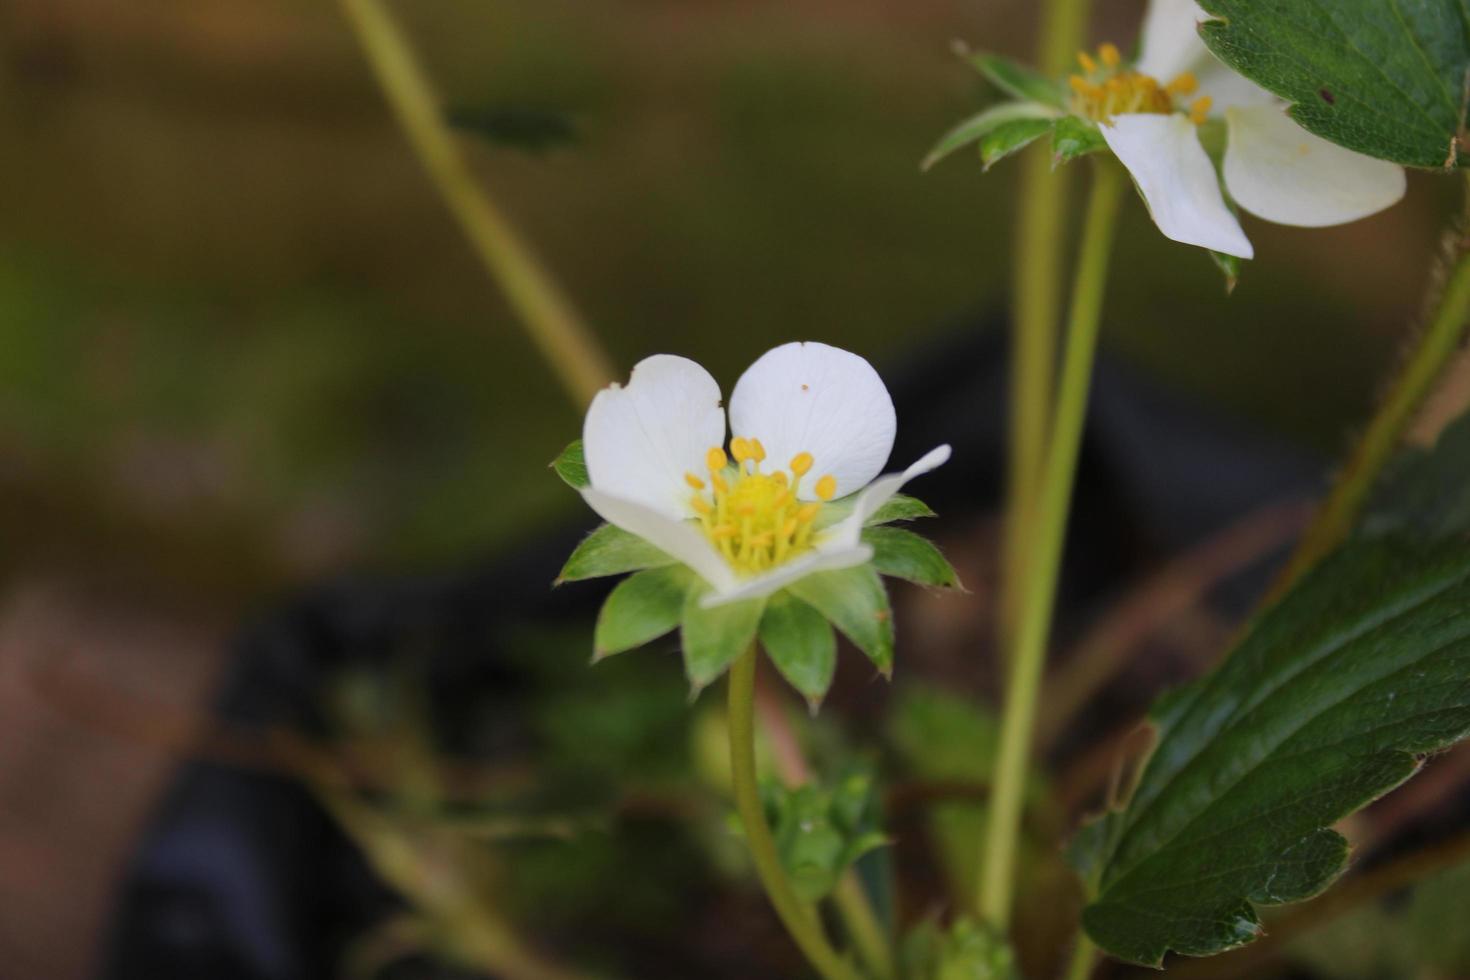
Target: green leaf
<point>853,600</point>
<point>967,951</point>
<point>610,550</point>
<point>1425,493</point>
<point>1017,80</point>
<point>1072,137</point>
<point>571,466</point>
<point>801,644</point>
<point>1385,79</point>
<point>1322,708</point>
<point>896,508</point>
<point>904,554</point>
<point>643,607</point>
<point>980,125</point>
<point>1011,137</point>
<point>529,128</point>
<point>714,638</point>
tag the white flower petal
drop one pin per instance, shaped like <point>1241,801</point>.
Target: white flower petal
<point>1170,43</point>
<point>1228,88</point>
<point>1279,171</point>
<point>1177,180</point>
<point>679,538</point>
<point>878,493</point>
<point>822,559</point>
<point>810,397</point>
<point>640,439</point>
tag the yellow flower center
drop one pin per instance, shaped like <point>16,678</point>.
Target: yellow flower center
<point>1105,89</point>
<point>755,518</point>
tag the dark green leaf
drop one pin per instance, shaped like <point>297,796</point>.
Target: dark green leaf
<point>610,550</point>
<point>714,638</point>
<point>1385,79</point>
<point>571,466</point>
<point>1011,137</point>
<point>801,644</point>
<point>1322,708</point>
<point>1425,494</point>
<point>904,554</point>
<point>1072,138</point>
<point>980,125</point>
<point>854,600</point>
<point>534,130</point>
<point>1017,80</point>
<point>643,607</point>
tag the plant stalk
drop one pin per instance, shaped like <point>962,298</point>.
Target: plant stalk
<point>553,324</point>
<point>797,916</point>
<point>1042,570</point>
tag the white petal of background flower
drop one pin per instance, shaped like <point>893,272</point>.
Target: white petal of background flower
<point>1177,180</point>
<point>1279,171</point>
<point>879,492</point>
<point>640,439</point>
<point>679,538</point>
<point>810,397</point>
<point>823,559</point>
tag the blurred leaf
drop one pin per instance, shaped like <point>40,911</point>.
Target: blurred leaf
<point>801,644</point>
<point>642,607</point>
<point>1017,80</point>
<point>571,466</point>
<point>520,127</point>
<point>821,832</point>
<point>1385,79</point>
<point>906,555</point>
<point>1425,493</point>
<point>714,638</point>
<point>1321,709</point>
<point>1072,137</point>
<point>967,951</point>
<point>855,601</point>
<point>981,124</point>
<point>1011,137</point>
<point>609,550</point>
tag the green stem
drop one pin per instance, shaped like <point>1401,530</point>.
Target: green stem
<point>1436,345</point>
<point>1038,588</point>
<point>1084,958</point>
<point>798,918</point>
<point>867,933</point>
<point>548,316</point>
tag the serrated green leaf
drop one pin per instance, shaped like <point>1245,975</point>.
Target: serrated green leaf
<point>571,466</point>
<point>643,607</point>
<point>800,643</point>
<point>979,125</point>
<point>1425,493</point>
<point>1072,138</point>
<point>904,554</point>
<point>1320,709</point>
<point>1011,137</point>
<point>853,600</point>
<point>714,638</point>
<point>1017,80</point>
<point>896,508</point>
<point>1385,79</point>
<point>610,550</point>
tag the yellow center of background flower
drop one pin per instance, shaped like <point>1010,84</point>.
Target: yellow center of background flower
<point>1105,89</point>
<point>755,519</point>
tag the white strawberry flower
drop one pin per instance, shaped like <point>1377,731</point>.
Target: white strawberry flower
<point>812,428</point>
<point>1149,114</point>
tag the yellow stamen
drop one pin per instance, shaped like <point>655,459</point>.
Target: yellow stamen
<point>1108,52</point>
<point>757,451</point>
<point>1183,84</point>
<point>695,483</point>
<point>827,487</point>
<point>701,506</point>
<point>1199,110</point>
<point>1107,88</point>
<point>808,512</point>
<point>740,449</point>
<point>1085,60</point>
<point>715,460</point>
<point>801,463</point>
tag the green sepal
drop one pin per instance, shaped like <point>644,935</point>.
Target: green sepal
<point>820,832</point>
<point>609,550</point>
<point>966,951</point>
<point>855,601</point>
<point>1073,137</point>
<point>1229,266</point>
<point>571,466</point>
<point>906,555</point>
<point>713,638</point>
<point>1017,80</point>
<point>801,644</point>
<point>982,124</point>
<point>1011,137</point>
<point>642,607</point>
<point>897,508</point>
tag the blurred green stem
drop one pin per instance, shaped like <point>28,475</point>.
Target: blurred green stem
<point>868,934</point>
<point>1038,587</point>
<point>1435,346</point>
<point>797,916</point>
<point>1084,958</point>
<point>572,350</point>
<point>1036,286</point>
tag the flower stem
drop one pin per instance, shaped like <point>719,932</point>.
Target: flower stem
<point>1435,346</point>
<point>1042,569</point>
<point>573,352</point>
<point>868,935</point>
<point>798,917</point>
<point>1084,958</point>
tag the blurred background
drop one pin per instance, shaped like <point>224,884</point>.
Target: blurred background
<point>246,356</point>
